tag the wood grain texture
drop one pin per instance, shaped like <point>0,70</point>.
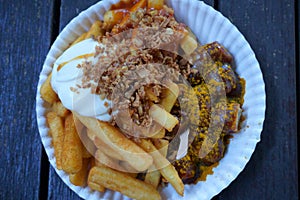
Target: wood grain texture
<point>210,2</point>
<point>269,28</point>
<point>25,39</point>
<point>68,10</point>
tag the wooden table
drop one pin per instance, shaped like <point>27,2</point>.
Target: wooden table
<point>28,29</point>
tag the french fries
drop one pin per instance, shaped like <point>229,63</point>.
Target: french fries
<point>150,94</point>
<point>169,96</point>
<point>80,178</point>
<point>112,137</point>
<point>94,185</point>
<point>155,4</point>
<point>191,33</point>
<point>101,156</point>
<point>188,44</point>
<point>140,4</point>
<point>72,148</point>
<point>89,147</point>
<point>97,187</point>
<point>123,183</point>
<point>160,134</point>
<point>57,132</point>
<point>104,147</point>
<point>81,38</point>
<point>47,92</point>
<point>113,17</point>
<point>163,117</point>
<point>128,168</point>
<point>95,31</point>
<point>86,153</point>
<point>153,175</point>
<point>167,170</point>
<point>60,110</point>
<point>103,159</point>
<point>162,146</point>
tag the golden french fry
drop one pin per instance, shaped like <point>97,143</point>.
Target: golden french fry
<point>103,159</point>
<point>96,187</point>
<point>153,131</point>
<point>140,4</point>
<point>122,183</point>
<point>79,126</point>
<point>81,38</point>
<point>57,132</point>
<point>72,148</point>
<point>93,185</point>
<point>190,32</point>
<point>108,150</point>
<point>160,134</point>
<point>169,96</point>
<point>156,4</point>
<point>150,94</point>
<point>167,170</point>
<point>89,147</point>
<point>90,134</point>
<point>104,147</point>
<point>80,178</point>
<point>86,153</point>
<point>113,138</point>
<point>129,169</point>
<point>153,175</point>
<point>92,162</point>
<point>163,117</point>
<point>95,30</point>
<point>113,17</point>
<point>188,44</point>
<point>124,167</point>
<point>162,145</point>
<point>60,110</point>
<point>47,92</point>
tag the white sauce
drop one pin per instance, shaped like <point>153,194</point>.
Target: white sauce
<point>69,76</point>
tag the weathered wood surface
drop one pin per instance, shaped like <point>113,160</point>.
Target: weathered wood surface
<point>68,10</point>
<point>25,32</point>
<point>270,28</point>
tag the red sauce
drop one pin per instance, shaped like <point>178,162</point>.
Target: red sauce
<point>124,4</point>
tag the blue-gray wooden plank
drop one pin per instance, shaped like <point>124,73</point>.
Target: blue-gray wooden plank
<point>25,39</point>
<point>269,28</point>
<point>210,2</point>
<point>274,162</point>
<point>68,10</point>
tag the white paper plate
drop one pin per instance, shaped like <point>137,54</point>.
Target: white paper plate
<point>208,25</point>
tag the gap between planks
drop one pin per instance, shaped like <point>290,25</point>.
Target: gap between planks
<point>44,173</point>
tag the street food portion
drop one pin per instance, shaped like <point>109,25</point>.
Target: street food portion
<point>135,99</point>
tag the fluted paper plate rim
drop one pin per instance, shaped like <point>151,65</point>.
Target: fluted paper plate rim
<point>219,28</point>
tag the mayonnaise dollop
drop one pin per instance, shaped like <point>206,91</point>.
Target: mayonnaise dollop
<point>66,75</point>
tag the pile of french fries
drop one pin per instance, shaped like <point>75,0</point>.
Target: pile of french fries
<point>112,160</point>
<point>97,154</point>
